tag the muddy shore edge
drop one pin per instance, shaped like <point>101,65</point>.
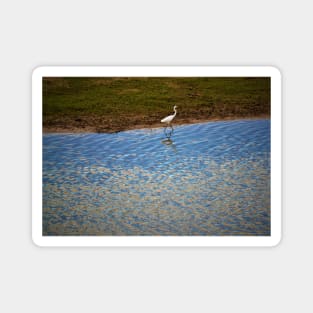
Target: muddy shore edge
<point>85,125</point>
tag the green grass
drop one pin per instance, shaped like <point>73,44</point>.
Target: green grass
<point>127,99</point>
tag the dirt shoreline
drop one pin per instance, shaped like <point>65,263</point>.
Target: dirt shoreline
<point>67,126</point>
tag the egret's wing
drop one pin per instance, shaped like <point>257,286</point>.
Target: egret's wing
<point>167,119</point>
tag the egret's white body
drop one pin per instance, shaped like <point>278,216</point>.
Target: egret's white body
<point>169,118</point>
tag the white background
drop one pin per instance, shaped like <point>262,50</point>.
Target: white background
<point>134,32</point>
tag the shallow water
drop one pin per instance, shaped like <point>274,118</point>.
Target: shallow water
<point>207,179</point>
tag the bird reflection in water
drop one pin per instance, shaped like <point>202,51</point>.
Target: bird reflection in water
<point>168,132</point>
<point>169,142</point>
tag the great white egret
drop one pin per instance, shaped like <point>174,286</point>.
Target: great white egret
<point>169,118</point>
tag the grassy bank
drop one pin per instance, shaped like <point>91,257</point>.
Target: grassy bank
<point>114,104</point>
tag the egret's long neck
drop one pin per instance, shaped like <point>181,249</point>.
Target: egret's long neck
<point>175,111</point>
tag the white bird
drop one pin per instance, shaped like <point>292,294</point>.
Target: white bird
<point>169,118</point>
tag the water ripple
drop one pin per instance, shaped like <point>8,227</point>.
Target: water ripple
<point>207,179</point>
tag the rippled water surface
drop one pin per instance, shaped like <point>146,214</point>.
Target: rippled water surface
<point>208,179</point>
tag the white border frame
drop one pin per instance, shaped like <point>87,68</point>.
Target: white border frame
<point>156,71</point>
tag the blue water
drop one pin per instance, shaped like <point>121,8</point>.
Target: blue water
<point>206,179</point>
